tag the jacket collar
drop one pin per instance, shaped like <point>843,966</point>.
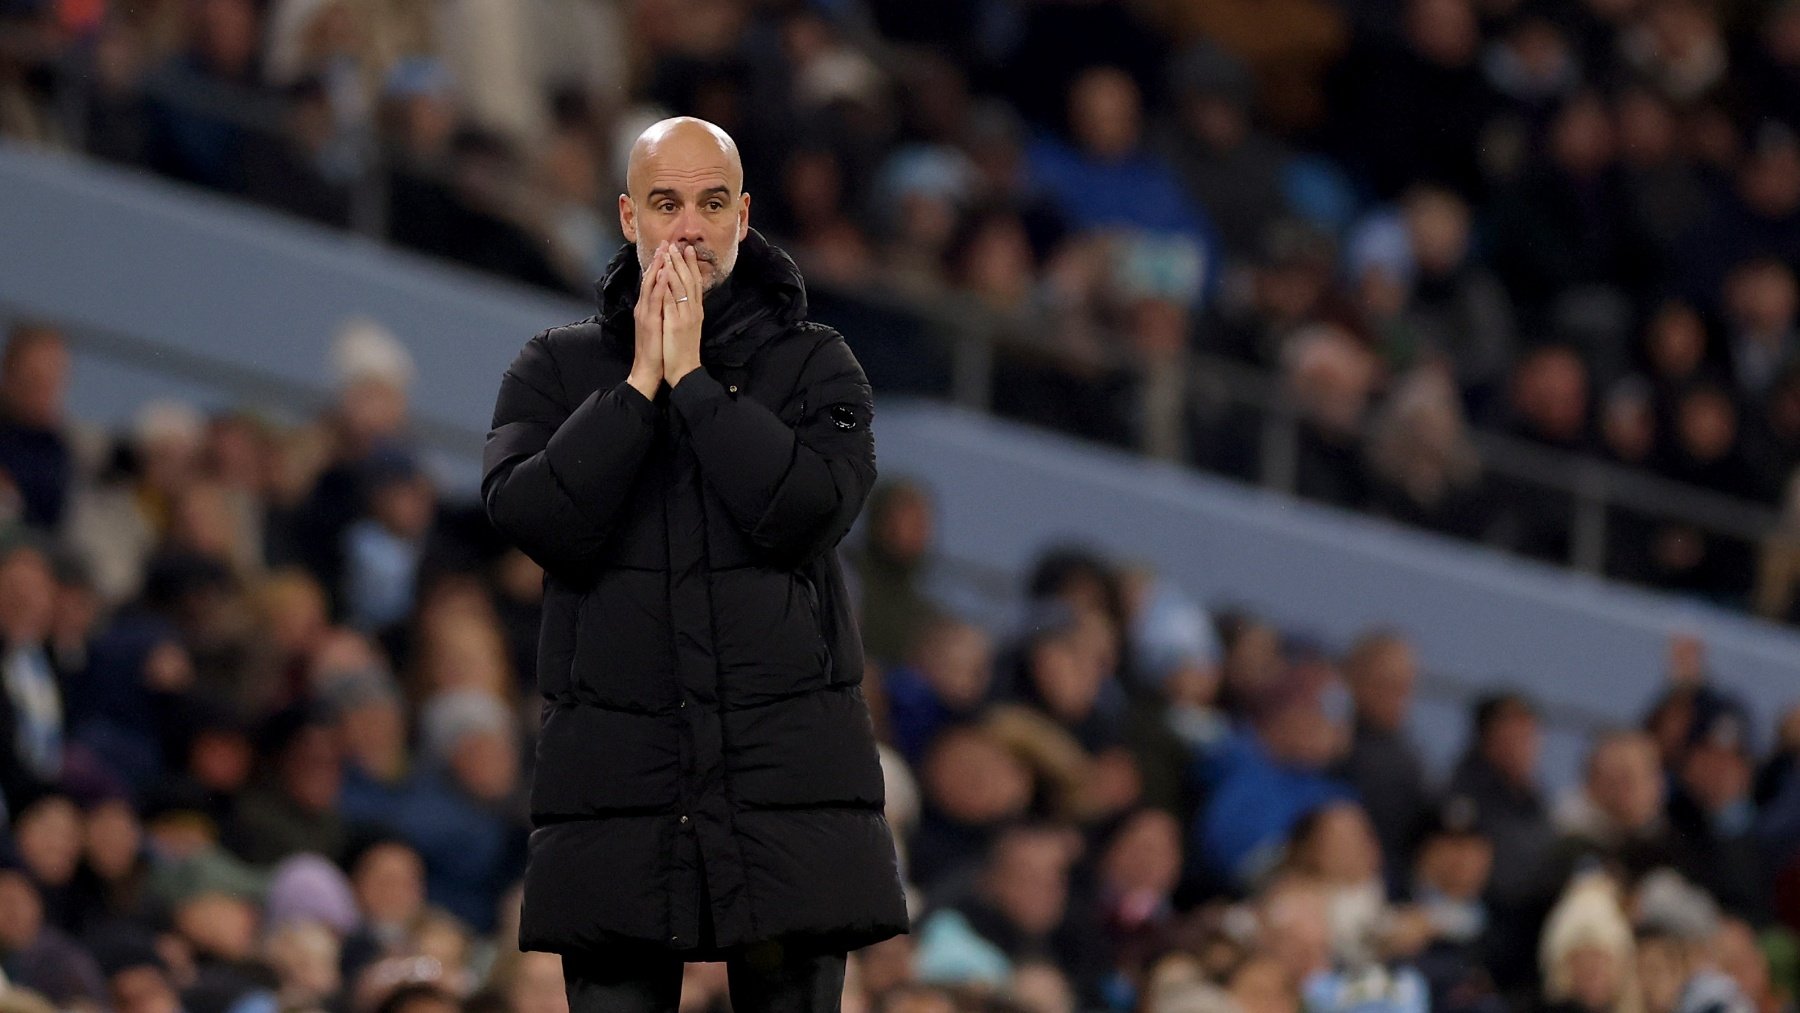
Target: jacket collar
<point>763,296</point>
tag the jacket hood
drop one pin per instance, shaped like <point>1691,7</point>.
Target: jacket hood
<point>763,296</point>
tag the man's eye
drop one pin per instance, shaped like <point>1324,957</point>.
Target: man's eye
<point>665,207</point>
<point>714,206</point>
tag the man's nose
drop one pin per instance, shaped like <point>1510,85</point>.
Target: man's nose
<point>687,227</point>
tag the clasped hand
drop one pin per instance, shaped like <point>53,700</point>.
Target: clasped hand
<point>668,319</point>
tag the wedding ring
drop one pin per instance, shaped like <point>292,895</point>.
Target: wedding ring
<point>682,299</point>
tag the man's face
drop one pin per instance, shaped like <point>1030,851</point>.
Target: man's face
<point>27,596</point>
<point>35,383</point>
<point>1625,781</point>
<point>143,989</point>
<point>1457,865</point>
<point>1382,684</point>
<point>1513,745</point>
<point>21,911</point>
<point>390,883</point>
<point>311,769</point>
<point>685,190</point>
<point>1028,882</point>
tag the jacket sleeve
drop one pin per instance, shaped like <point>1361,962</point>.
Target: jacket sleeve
<point>794,488</point>
<point>553,480</point>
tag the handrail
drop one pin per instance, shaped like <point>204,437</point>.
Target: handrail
<point>1630,488</point>
<point>1584,477</point>
<point>991,583</point>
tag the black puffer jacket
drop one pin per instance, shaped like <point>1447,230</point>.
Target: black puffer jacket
<point>706,772</point>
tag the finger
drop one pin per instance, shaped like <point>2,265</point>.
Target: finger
<point>669,281</point>
<point>656,294</point>
<point>690,269</point>
<point>691,261</point>
<point>678,267</point>
<point>660,274</point>
<point>649,279</point>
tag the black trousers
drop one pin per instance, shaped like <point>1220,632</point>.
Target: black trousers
<point>765,978</point>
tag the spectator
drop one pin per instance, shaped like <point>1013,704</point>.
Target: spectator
<point>1139,866</point>
<point>1588,957</point>
<point>293,807</point>
<point>1021,907</point>
<point>1673,982</point>
<point>110,883</point>
<point>137,980</point>
<point>1332,378</point>
<point>1335,848</point>
<point>1677,354</point>
<point>188,141</point>
<point>36,452</point>
<point>1565,227</point>
<point>1295,928</point>
<point>1416,109</point>
<point>374,371</point>
<point>1499,776</point>
<point>1549,406</point>
<point>1664,192</point>
<point>383,551</point>
<point>1424,469</point>
<point>1762,305</point>
<point>1383,764</point>
<point>47,835</point>
<point>32,720</point>
<point>1617,818</point>
<point>1447,916</point>
<point>972,787</point>
<point>388,878</point>
<point>1229,167</point>
<point>303,956</point>
<point>1173,711</point>
<point>1739,957</point>
<point>464,817</point>
<point>1458,311</point>
<point>950,680</point>
<point>1712,809</point>
<point>1628,423</point>
<point>1290,286</point>
<point>1066,668</point>
<point>1774,61</point>
<point>891,568</point>
<point>1706,451</point>
<point>38,956</point>
<point>1107,178</point>
<point>1262,782</point>
<point>302,165</point>
<point>117,523</point>
<point>1758,217</point>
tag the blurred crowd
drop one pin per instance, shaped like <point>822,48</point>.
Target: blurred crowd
<point>266,740</point>
<point>1144,804</point>
<point>1576,222</point>
<point>267,714</point>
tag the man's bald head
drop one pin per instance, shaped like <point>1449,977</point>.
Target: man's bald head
<point>687,141</point>
<point>685,184</point>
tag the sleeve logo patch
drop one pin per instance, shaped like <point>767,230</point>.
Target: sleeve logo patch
<point>843,416</point>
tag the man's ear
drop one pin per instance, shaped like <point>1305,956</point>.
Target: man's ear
<point>743,228</point>
<point>628,218</point>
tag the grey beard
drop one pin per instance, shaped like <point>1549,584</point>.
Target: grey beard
<point>720,272</point>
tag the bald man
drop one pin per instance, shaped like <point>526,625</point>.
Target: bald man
<point>683,465</point>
